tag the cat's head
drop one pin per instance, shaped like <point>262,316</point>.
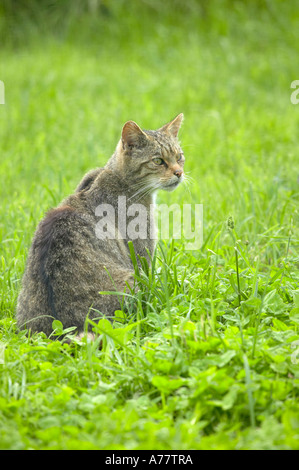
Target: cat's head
<point>152,159</point>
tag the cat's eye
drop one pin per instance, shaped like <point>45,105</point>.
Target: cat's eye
<point>158,161</point>
<point>180,157</point>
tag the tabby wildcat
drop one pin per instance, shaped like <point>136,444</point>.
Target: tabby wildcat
<point>68,264</point>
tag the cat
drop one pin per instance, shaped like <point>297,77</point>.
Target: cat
<point>68,263</point>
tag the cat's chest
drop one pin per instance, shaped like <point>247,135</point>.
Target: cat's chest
<point>122,219</point>
<point>138,226</point>
<point>135,219</point>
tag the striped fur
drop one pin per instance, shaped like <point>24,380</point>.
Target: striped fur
<point>68,265</point>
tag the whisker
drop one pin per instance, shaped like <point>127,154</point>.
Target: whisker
<point>151,188</point>
<point>187,182</point>
<point>186,186</point>
<point>146,188</point>
<point>189,178</point>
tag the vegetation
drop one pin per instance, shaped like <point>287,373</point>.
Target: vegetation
<point>209,356</point>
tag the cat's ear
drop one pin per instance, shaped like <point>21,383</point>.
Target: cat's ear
<point>173,126</point>
<point>132,135</point>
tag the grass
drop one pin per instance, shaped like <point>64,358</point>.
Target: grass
<point>208,359</point>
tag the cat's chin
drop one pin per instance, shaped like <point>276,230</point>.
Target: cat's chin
<point>171,187</point>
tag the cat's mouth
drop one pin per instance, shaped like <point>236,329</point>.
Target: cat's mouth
<point>172,186</point>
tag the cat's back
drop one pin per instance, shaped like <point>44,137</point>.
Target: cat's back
<point>53,249</point>
<point>66,268</point>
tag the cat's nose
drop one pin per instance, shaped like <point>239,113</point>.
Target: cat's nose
<point>178,173</point>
